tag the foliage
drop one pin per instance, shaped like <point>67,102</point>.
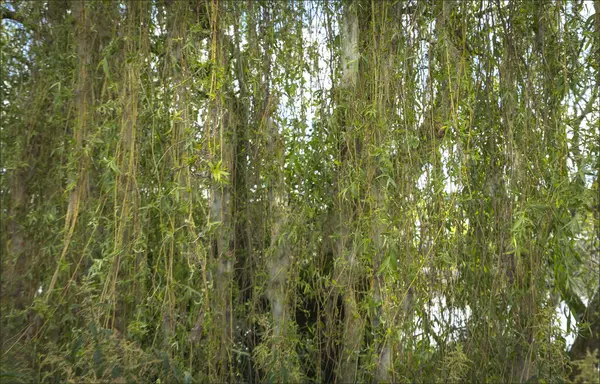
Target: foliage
<point>588,368</point>
<point>291,191</point>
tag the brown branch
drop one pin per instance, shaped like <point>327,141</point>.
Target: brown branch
<point>588,338</point>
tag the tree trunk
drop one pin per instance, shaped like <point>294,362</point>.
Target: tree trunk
<point>346,264</point>
<point>220,122</point>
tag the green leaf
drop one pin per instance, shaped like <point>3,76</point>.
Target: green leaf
<point>104,64</point>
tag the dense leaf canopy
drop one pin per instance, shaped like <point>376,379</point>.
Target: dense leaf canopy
<point>293,191</point>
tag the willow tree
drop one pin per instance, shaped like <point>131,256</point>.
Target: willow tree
<point>289,191</point>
